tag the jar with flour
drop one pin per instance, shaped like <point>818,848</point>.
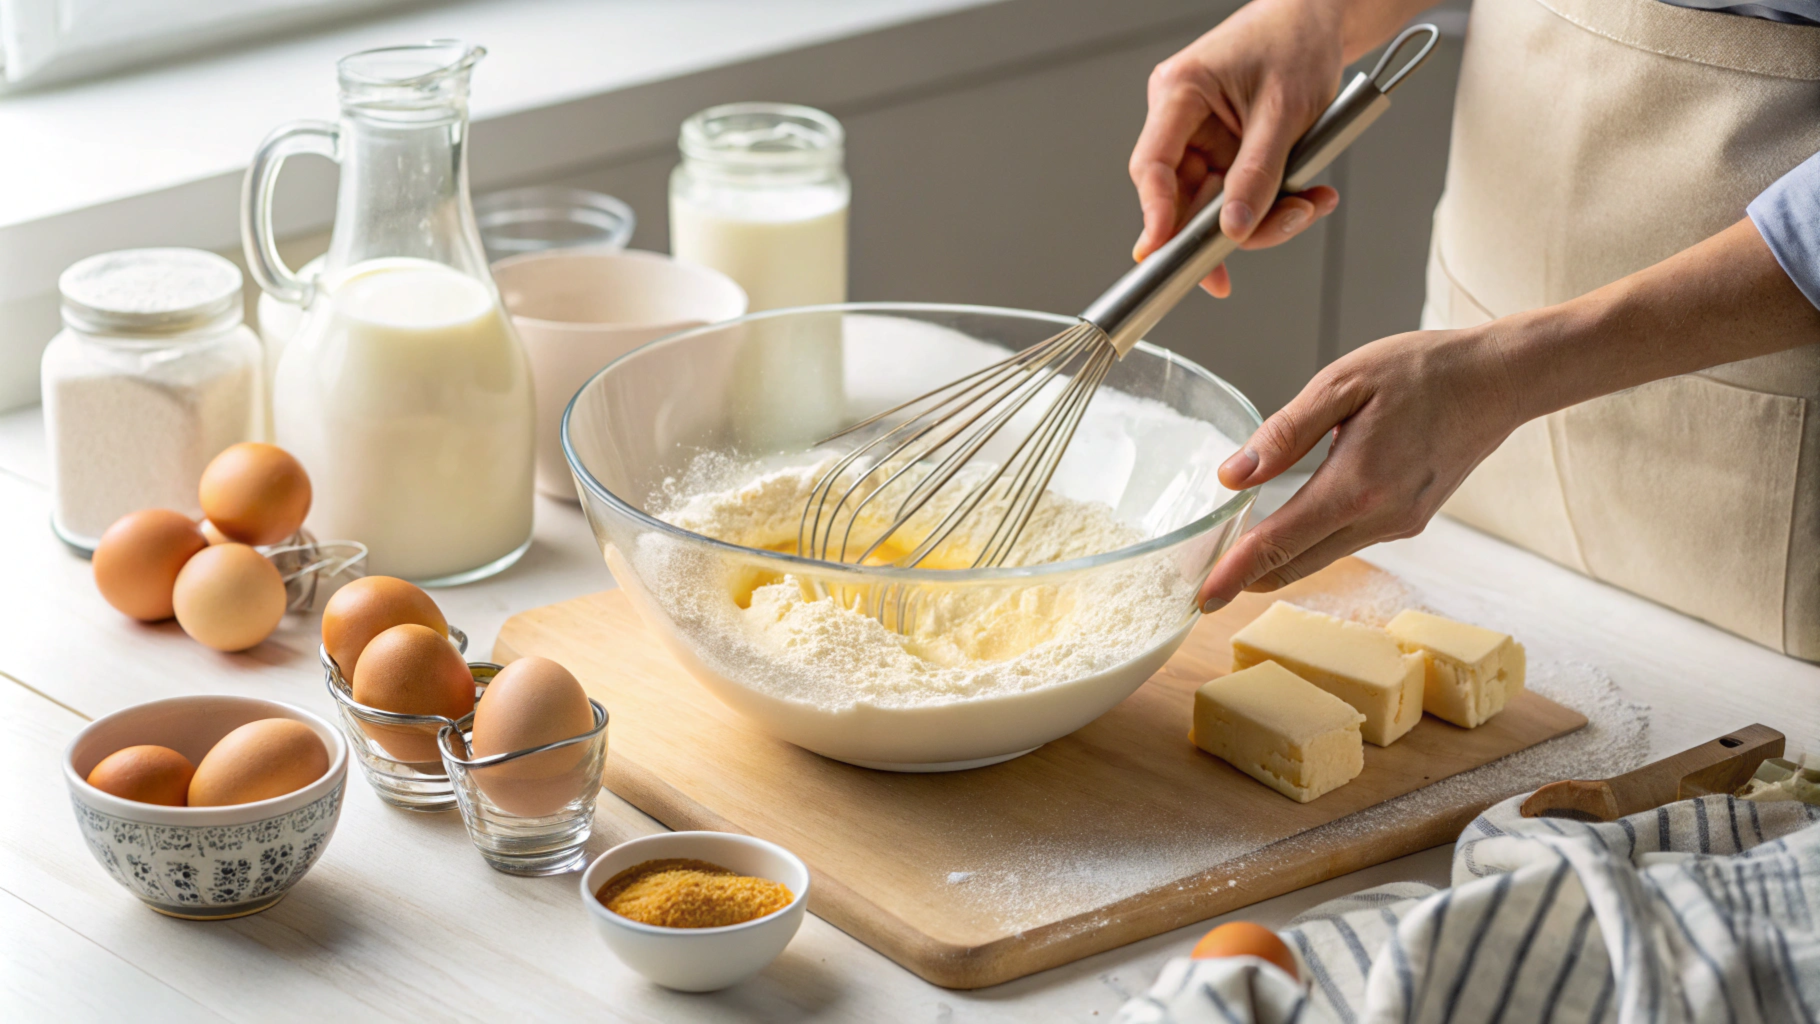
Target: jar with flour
<point>405,391</point>
<point>152,376</point>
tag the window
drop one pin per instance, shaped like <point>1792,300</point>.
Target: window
<point>52,40</point>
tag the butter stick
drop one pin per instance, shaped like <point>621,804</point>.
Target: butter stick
<point>1470,673</point>
<point>1362,665</point>
<point>1281,730</point>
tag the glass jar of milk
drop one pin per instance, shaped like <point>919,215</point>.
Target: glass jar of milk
<point>404,391</point>
<point>761,196</point>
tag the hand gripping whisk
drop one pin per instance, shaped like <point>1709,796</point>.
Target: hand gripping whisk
<point>941,431</point>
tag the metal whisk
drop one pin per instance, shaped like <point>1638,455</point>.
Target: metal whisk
<point>940,432</point>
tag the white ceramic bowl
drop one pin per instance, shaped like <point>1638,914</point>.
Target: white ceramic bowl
<point>700,959</point>
<point>577,310</point>
<point>203,863</point>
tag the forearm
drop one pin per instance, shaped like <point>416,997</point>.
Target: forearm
<point>1367,24</point>
<point>1720,301</point>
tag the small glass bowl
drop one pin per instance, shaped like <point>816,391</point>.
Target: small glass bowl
<point>521,220</point>
<point>529,811</point>
<point>416,784</point>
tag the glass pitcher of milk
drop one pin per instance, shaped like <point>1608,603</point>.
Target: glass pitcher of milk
<point>404,392</point>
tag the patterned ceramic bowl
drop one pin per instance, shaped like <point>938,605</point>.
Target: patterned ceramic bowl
<point>203,863</point>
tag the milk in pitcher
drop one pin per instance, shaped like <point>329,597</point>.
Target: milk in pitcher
<point>411,409</point>
<point>403,390</point>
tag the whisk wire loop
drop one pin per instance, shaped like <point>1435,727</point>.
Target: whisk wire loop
<point>1038,434</point>
<point>1041,466</point>
<point>1036,375</point>
<point>811,538</point>
<point>950,465</point>
<point>962,417</point>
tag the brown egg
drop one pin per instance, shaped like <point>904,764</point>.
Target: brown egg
<point>229,597</point>
<point>1244,938</point>
<point>255,493</point>
<point>213,534</point>
<point>413,670</point>
<point>368,607</point>
<point>258,761</point>
<point>138,559</point>
<point>531,702</point>
<point>147,773</point>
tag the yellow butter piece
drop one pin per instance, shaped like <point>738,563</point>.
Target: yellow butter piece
<point>1471,672</point>
<point>1281,730</point>
<point>1362,665</point>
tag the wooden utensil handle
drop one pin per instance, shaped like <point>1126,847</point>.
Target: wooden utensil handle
<point>1717,766</point>
<point>1749,747</point>
<point>1656,784</point>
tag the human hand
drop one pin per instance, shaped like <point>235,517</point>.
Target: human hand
<point>1224,113</point>
<point>1411,415</point>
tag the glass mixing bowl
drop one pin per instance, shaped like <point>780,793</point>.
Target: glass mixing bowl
<point>709,409</point>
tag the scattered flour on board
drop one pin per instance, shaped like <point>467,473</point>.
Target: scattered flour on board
<point>1061,875</point>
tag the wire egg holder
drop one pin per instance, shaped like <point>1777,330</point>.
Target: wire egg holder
<point>312,568</point>
<point>397,752</point>
<point>530,811</point>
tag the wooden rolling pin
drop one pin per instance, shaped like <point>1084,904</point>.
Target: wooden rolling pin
<point>1716,766</point>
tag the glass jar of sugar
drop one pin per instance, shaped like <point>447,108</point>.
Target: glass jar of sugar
<point>761,196</point>
<point>152,376</point>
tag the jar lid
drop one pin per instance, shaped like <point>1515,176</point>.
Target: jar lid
<point>776,136</point>
<point>151,292</point>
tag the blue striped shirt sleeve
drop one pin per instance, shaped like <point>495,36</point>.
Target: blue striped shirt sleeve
<point>1787,214</point>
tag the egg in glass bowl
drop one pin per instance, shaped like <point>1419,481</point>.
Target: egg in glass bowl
<point>697,454</point>
<point>204,862</point>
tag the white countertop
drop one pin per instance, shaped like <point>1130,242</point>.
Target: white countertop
<point>402,920</point>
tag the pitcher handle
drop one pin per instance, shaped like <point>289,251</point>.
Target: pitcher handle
<point>321,138</point>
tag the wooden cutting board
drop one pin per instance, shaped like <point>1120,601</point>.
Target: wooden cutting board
<point>1117,832</point>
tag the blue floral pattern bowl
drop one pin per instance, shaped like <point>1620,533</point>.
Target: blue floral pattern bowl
<point>203,863</point>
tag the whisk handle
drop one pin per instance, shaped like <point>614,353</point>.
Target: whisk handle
<point>1147,292</point>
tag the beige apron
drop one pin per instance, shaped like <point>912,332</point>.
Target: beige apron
<point>1593,138</point>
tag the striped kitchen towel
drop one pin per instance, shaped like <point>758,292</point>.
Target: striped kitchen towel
<point>1703,910</point>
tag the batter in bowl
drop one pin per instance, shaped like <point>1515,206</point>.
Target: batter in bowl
<point>792,640</point>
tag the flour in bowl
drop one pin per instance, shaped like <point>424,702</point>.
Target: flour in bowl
<point>778,633</point>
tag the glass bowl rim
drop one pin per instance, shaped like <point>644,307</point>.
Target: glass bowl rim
<point>1216,517</point>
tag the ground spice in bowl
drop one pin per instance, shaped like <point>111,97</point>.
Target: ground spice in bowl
<point>681,893</point>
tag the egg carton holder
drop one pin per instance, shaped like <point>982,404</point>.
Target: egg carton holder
<point>530,811</point>
<point>314,569</point>
<point>397,752</point>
